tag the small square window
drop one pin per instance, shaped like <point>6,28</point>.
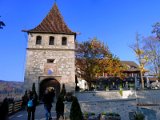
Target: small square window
<point>50,60</point>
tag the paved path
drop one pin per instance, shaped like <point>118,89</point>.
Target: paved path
<point>39,114</point>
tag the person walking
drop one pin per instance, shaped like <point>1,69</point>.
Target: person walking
<point>31,106</point>
<point>52,92</point>
<point>47,99</point>
<point>24,100</point>
<point>60,107</point>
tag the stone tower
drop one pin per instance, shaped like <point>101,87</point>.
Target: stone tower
<point>50,60</point>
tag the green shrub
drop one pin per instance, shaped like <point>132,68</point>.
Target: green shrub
<point>85,113</point>
<point>107,87</point>
<point>121,92</point>
<point>110,114</point>
<point>103,113</point>
<point>92,113</point>
<point>139,116</point>
<point>75,111</point>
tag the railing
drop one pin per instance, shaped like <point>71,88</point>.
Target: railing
<point>14,107</point>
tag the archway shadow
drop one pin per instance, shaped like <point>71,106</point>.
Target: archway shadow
<point>46,83</point>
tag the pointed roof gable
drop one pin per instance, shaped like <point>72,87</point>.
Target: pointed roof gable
<point>52,23</point>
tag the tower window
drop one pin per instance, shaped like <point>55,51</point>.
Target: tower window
<point>64,41</point>
<point>51,40</point>
<point>50,60</point>
<point>38,40</point>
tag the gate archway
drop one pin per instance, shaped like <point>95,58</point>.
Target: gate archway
<point>49,82</point>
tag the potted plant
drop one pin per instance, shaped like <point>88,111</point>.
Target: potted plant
<point>91,116</point>
<point>112,116</point>
<point>103,116</point>
<point>85,115</point>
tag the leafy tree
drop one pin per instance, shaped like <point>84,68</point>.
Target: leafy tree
<point>75,111</point>
<point>92,58</point>
<point>2,24</point>
<point>111,66</point>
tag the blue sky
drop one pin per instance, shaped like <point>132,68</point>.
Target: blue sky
<point>114,22</point>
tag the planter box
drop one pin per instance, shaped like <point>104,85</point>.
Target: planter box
<point>108,116</point>
<point>90,116</point>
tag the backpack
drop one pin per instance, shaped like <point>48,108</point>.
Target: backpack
<point>30,103</point>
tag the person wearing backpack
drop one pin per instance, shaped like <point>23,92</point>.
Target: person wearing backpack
<point>31,106</point>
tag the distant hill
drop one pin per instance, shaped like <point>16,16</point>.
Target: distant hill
<point>11,86</point>
<point>11,89</point>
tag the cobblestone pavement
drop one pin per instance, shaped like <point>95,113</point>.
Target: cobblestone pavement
<point>39,114</point>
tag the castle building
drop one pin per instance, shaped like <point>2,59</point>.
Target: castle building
<point>50,56</point>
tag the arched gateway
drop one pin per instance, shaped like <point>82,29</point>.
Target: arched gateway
<point>49,82</point>
<point>50,54</point>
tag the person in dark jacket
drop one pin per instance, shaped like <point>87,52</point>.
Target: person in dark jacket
<point>31,106</point>
<point>4,110</point>
<point>60,107</point>
<point>24,100</point>
<point>48,99</point>
<point>52,92</point>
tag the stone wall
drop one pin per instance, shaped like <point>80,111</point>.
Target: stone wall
<point>107,101</point>
<point>122,107</point>
<point>57,41</point>
<point>152,98</point>
<point>112,101</point>
<point>63,65</point>
<point>104,95</point>
<point>148,96</point>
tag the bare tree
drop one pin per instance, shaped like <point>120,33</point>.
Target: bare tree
<point>156,30</point>
<point>151,47</point>
<point>142,58</point>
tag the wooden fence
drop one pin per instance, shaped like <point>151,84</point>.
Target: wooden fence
<point>15,107</point>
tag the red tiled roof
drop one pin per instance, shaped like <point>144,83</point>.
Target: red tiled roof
<point>52,23</point>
